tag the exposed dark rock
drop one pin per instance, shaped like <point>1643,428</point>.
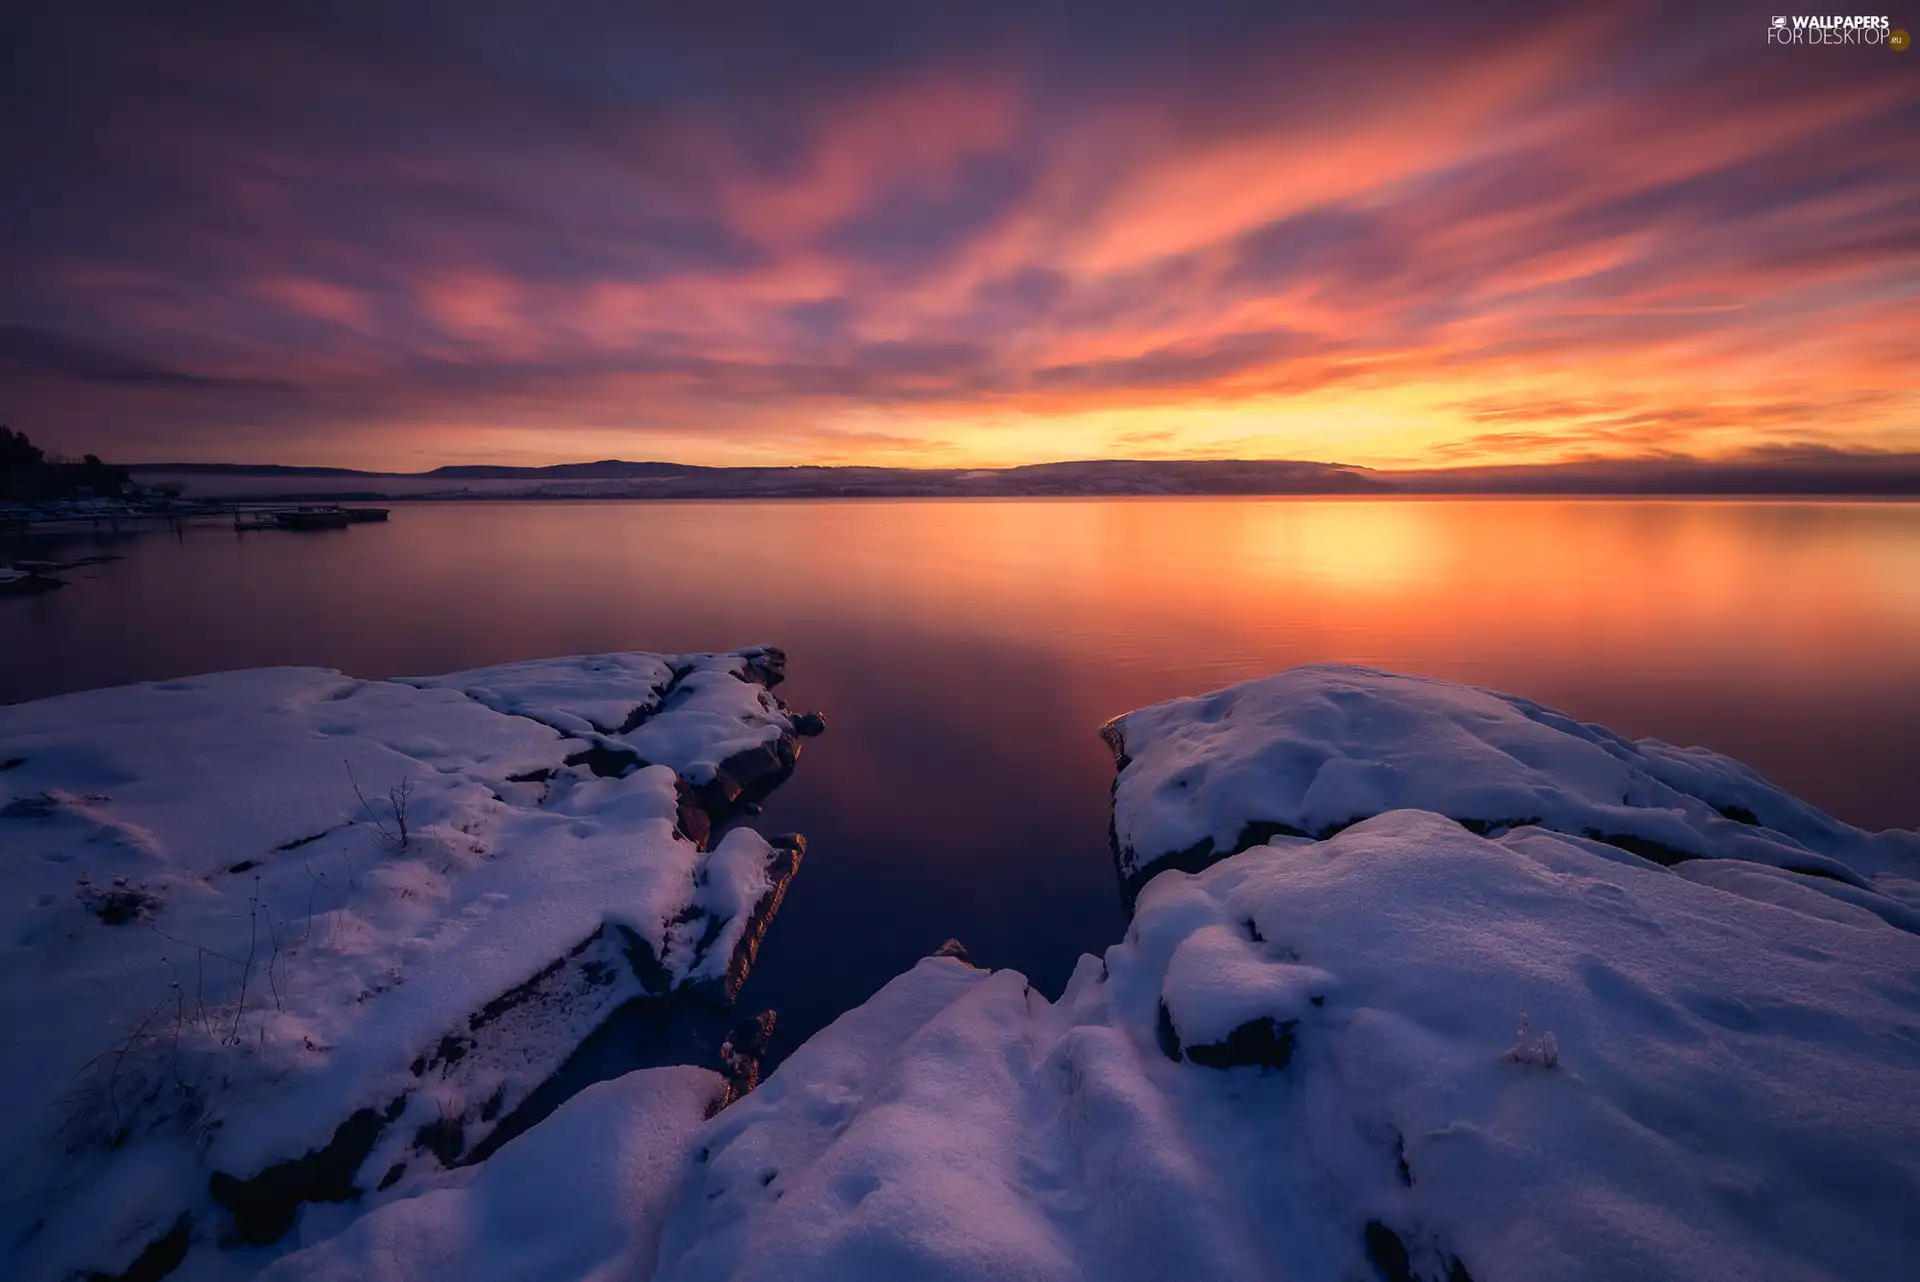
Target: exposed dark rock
<point>605,761</point>
<point>444,1137</point>
<point>584,980</point>
<point>307,840</point>
<point>809,724</point>
<point>1388,1253</point>
<point>1739,814</point>
<point>789,849</point>
<point>955,949</point>
<point>1645,847</point>
<point>119,903</point>
<point>647,1032</point>
<point>1483,827</point>
<point>767,668</point>
<point>748,775</point>
<point>40,807</point>
<point>1813,870</point>
<point>656,704</point>
<point>264,1205</point>
<point>541,987</point>
<point>541,775</point>
<point>160,1257</point>
<point>31,584</point>
<point>692,819</point>
<point>1203,854</point>
<point>1200,855</point>
<point>1168,1034</point>
<point>666,1021</point>
<point>742,1052</point>
<point>1258,1043</point>
<point>12,763</point>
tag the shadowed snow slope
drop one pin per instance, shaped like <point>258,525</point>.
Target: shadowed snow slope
<point>282,936</point>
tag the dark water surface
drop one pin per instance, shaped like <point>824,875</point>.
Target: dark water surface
<point>965,652</point>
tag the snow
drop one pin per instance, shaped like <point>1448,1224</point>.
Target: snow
<point>693,714</point>
<point>1315,748</point>
<point>1400,1034</point>
<point>601,1168</point>
<point>1527,1057</point>
<point>220,950</point>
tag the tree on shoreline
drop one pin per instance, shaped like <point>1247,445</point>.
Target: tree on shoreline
<point>26,472</point>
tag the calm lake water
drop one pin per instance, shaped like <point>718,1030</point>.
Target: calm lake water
<point>966,651</point>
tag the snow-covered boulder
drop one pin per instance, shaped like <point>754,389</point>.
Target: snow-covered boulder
<point>1407,1051</point>
<point>1311,750</point>
<point>281,936</point>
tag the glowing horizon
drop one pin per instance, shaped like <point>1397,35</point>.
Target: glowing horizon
<point>1392,240</point>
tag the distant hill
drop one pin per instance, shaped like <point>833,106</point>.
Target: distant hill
<point>605,470</point>
<point>1812,473</point>
<point>246,469</point>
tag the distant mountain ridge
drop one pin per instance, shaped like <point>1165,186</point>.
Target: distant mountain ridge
<point>1810,473</point>
<point>610,469</point>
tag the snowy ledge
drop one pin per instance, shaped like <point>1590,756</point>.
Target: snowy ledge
<point>1313,750</point>
<point>280,937</point>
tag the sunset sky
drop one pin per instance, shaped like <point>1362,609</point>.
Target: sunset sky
<point>397,235</point>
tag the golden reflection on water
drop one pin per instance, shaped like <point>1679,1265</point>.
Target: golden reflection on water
<point>965,651</point>
<point>1785,632</point>
<point>1765,587</point>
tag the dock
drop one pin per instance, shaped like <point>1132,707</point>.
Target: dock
<point>332,517</point>
<point>21,519</point>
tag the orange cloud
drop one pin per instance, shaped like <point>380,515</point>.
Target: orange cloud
<point>1578,234</point>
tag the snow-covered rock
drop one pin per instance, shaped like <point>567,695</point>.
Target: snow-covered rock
<point>712,718</point>
<point>1313,749</point>
<point>25,581</point>
<point>1405,1051</point>
<point>282,936</point>
<point>581,1195</point>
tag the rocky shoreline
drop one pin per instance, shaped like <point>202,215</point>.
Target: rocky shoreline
<point>1420,981</point>
<point>515,766</point>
